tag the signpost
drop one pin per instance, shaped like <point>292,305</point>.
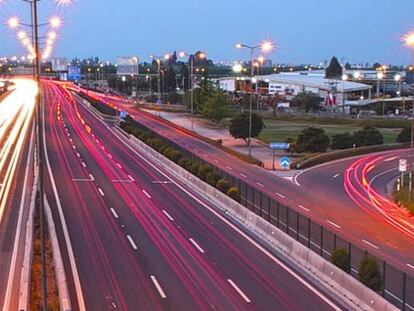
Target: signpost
<point>285,162</point>
<point>123,114</point>
<point>278,146</point>
<point>402,167</point>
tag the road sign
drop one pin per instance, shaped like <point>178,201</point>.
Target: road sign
<point>284,162</point>
<point>74,73</point>
<point>123,114</point>
<point>279,146</point>
<point>402,165</point>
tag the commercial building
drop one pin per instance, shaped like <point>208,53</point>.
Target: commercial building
<point>127,66</point>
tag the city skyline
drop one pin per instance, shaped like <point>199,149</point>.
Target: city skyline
<point>322,31</point>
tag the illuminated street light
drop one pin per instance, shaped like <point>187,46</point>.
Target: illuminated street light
<point>64,2</point>
<point>55,22</point>
<point>52,35</point>
<point>21,35</point>
<point>344,77</point>
<point>357,75</point>
<point>265,46</point>
<point>237,68</point>
<point>13,22</point>
<point>199,55</point>
<point>397,77</point>
<point>408,39</point>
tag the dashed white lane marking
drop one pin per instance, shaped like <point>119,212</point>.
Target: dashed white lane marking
<point>83,164</point>
<point>390,159</point>
<point>91,176</point>
<point>119,165</point>
<point>239,291</point>
<point>304,208</point>
<point>110,155</point>
<point>242,175</point>
<point>131,241</point>
<point>260,185</point>
<point>167,215</point>
<point>229,167</point>
<point>158,287</point>
<point>370,244</point>
<point>196,245</point>
<point>280,195</point>
<point>78,154</point>
<point>101,192</point>
<point>146,194</point>
<point>131,178</point>
<point>410,266</point>
<point>114,213</point>
<point>334,224</point>
<point>335,176</point>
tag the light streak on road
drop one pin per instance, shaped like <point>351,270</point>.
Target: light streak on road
<point>16,113</point>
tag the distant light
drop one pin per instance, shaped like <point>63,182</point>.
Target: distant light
<point>237,68</point>
<point>201,55</point>
<point>380,75</point>
<point>181,54</point>
<point>397,77</point>
<point>239,46</point>
<point>408,39</point>
<point>52,35</point>
<point>357,75</point>
<point>63,2</point>
<point>267,46</point>
<point>21,35</point>
<point>344,77</point>
<point>254,80</point>
<point>55,22</point>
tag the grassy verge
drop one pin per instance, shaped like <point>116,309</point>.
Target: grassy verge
<point>36,287</point>
<point>280,130</point>
<point>101,107</point>
<point>402,197</point>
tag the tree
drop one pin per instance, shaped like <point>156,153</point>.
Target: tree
<point>368,136</point>
<point>405,135</point>
<point>340,258</point>
<point>343,141</point>
<point>308,100</point>
<point>369,274</point>
<point>311,140</point>
<point>334,70</point>
<point>239,126</point>
<point>170,82</point>
<point>215,107</point>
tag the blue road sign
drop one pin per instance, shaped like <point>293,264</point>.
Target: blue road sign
<point>74,73</point>
<point>284,162</point>
<point>123,114</point>
<point>279,146</point>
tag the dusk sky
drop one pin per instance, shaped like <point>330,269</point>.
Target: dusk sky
<point>305,31</point>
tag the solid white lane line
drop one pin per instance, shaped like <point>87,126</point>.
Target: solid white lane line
<point>334,224</point>
<point>196,245</point>
<point>146,194</point>
<point>370,244</point>
<point>101,192</point>
<point>260,185</point>
<point>242,175</point>
<point>131,241</point>
<point>280,195</point>
<point>168,215</point>
<point>114,213</point>
<point>130,177</point>
<point>239,291</point>
<point>158,287</point>
<point>335,176</point>
<point>91,176</point>
<point>304,208</point>
<point>83,164</point>
<point>410,266</point>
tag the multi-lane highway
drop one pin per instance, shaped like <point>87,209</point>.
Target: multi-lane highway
<point>133,237</point>
<point>16,182</point>
<point>318,193</point>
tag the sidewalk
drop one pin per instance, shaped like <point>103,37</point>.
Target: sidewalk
<point>259,150</point>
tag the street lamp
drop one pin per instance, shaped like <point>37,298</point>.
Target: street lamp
<point>265,46</point>
<point>158,61</point>
<point>380,76</point>
<point>344,79</point>
<point>200,55</point>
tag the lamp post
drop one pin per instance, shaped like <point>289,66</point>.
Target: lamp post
<point>344,79</point>
<point>158,61</point>
<point>265,46</point>
<point>200,55</point>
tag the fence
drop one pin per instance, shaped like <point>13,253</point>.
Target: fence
<point>397,286</point>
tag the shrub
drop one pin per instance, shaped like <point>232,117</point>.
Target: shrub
<point>340,258</point>
<point>184,163</point>
<point>313,140</point>
<point>368,136</point>
<point>194,168</point>
<point>212,178</point>
<point>144,136</point>
<point>342,141</point>
<point>172,154</point>
<point>203,170</point>
<point>223,185</point>
<point>405,135</point>
<point>369,274</point>
<point>234,193</point>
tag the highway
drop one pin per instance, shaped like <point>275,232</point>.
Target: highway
<point>133,237</point>
<point>16,167</point>
<point>318,193</point>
